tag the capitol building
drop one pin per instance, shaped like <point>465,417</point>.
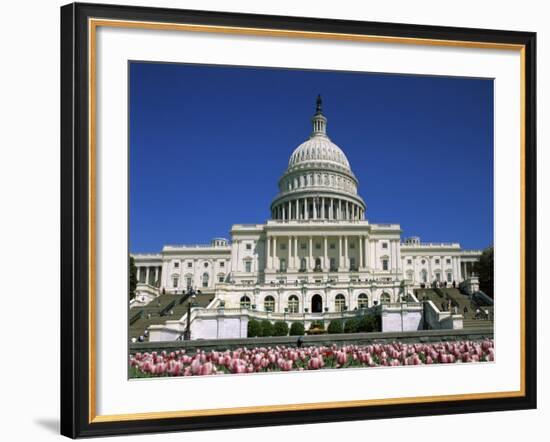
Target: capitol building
<point>317,257</point>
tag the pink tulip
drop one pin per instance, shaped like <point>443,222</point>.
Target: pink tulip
<point>206,369</point>
<point>341,357</point>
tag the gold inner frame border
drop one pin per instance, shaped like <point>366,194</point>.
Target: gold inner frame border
<point>93,24</point>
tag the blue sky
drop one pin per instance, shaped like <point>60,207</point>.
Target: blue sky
<point>209,143</point>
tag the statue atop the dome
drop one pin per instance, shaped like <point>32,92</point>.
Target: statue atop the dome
<point>319,109</point>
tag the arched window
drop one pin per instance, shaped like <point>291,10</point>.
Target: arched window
<point>269,304</point>
<point>293,304</point>
<point>363,301</point>
<point>245,302</point>
<point>385,298</point>
<point>340,303</point>
<point>205,279</point>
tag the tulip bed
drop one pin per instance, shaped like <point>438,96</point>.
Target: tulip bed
<point>283,358</point>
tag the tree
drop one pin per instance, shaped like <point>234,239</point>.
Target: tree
<point>133,278</point>
<point>280,328</point>
<point>367,324</point>
<point>335,327</point>
<point>484,268</point>
<point>254,329</point>
<point>351,325</point>
<point>267,328</point>
<point>297,329</point>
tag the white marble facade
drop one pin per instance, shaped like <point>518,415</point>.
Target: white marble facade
<point>317,253</point>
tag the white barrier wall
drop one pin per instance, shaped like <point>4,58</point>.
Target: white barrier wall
<point>407,318</point>
<point>219,326</point>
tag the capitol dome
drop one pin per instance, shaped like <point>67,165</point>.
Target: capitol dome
<point>318,183</point>
<point>316,149</point>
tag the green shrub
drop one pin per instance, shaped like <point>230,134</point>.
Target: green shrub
<point>280,328</point>
<point>367,324</point>
<point>254,329</point>
<point>335,327</point>
<point>267,328</point>
<point>297,329</point>
<point>351,326</point>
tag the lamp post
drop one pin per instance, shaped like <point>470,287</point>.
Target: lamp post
<point>190,303</point>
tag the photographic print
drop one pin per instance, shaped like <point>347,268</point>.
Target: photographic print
<point>294,220</point>
<point>311,202</point>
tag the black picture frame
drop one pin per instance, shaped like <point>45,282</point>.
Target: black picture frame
<point>75,221</point>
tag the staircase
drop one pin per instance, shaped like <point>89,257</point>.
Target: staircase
<point>151,314</point>
<point>463,303</point>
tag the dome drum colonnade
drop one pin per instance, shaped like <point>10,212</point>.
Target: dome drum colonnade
<point>318,183</point>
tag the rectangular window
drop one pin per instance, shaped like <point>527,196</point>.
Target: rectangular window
<point>247,266</point>
<point>409,261</point>
<point>352,245</point>
<point>318,245</point>
<point>222,263</point>
<point>283,246</point>
<point>332,264</point>
<point>384,245</point>
<point>448,260</point>
<point>332,245</point>
<point>449,277</point>
<point>303,246</point>
<point>248,246</point>
<point>189,265</point>
<point>384,264</point>
<point>176,264</point>
<point>174,282</point>
<point>220,278</point>
<point>352,264</point>
<point>188,282</point>
<point>437,261</point>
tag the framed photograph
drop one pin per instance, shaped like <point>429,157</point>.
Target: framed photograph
<point>274,220</point>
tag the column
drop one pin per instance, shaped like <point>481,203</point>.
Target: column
<point>314,209</point>
<point>325,257</point>
<point>297,208</point>
<point>311,264</point>
<point>340,258</point>
<point>346,261</point>
<point>360,252</point>
<point>289,210</point>
<point>268,252</point>
<point>331,212</point>
<point>156,275</point>
<point>367,252</point>
<point>306,214</point>
<point>138,273</point>
<point>296,257</point>
<point>290,253</point>
<point>147,275</point>
<point>339,209</point>
<point>274,262</point>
